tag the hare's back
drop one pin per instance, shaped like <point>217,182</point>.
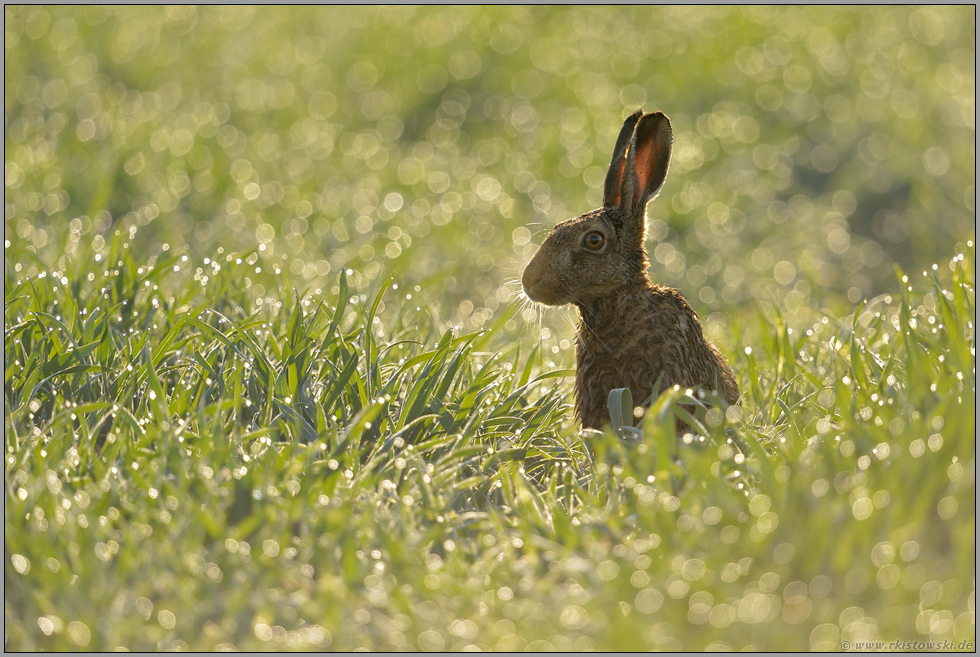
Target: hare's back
<point>673,343</point>
<point>667,316</point>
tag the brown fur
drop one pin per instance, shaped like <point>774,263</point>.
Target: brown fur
<point>630,331</point>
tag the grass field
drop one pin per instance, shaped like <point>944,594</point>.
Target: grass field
<point>269,384</point>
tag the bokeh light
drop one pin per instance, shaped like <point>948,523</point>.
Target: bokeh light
<point>814,147</point>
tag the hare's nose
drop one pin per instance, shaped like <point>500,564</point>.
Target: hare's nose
<point>532,278</point>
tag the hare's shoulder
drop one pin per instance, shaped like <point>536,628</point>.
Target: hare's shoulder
<point>666,334</point>
<point>671,298</point>
<point>666,311</point>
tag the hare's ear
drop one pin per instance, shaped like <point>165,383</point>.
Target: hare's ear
<point>646,163</point>
<point>614,179</point>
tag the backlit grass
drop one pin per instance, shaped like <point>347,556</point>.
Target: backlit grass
<point>195,470</point>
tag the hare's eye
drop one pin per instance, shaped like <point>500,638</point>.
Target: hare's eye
<point>593,240</point>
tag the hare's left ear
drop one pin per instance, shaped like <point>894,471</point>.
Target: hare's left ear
<point>646,163</point>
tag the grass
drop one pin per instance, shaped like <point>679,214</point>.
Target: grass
<point>188,469</point>
<point>268,384</point>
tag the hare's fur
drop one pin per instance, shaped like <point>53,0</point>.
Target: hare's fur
<point>631,332</point>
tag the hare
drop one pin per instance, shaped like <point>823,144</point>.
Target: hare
<point>631,332</point>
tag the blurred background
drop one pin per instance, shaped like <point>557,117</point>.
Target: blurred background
<point>814,147</point>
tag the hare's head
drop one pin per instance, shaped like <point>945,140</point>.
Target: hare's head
<point>591,256</point>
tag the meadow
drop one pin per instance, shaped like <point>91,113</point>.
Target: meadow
<point>270,383</point>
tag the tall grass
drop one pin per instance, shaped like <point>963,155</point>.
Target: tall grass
<point>186,468</point>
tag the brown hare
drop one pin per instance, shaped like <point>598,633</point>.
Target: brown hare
<point>631,332</point>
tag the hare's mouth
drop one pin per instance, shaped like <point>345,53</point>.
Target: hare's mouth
<point>549,302</point>
<point>538,295</point>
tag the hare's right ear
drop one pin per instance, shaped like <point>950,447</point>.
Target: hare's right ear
<point>614,179</point>
<point>646,163</point>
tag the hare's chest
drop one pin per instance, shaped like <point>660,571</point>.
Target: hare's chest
<point>633,354</point>
<point>603,365</point>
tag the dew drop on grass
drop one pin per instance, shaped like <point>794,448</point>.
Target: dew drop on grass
<point>79,633</point>
<point>820,487</point>
<point>21,563</point>
<point>46,625</point>
<point>947,507</point>
<point>862,508</point>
